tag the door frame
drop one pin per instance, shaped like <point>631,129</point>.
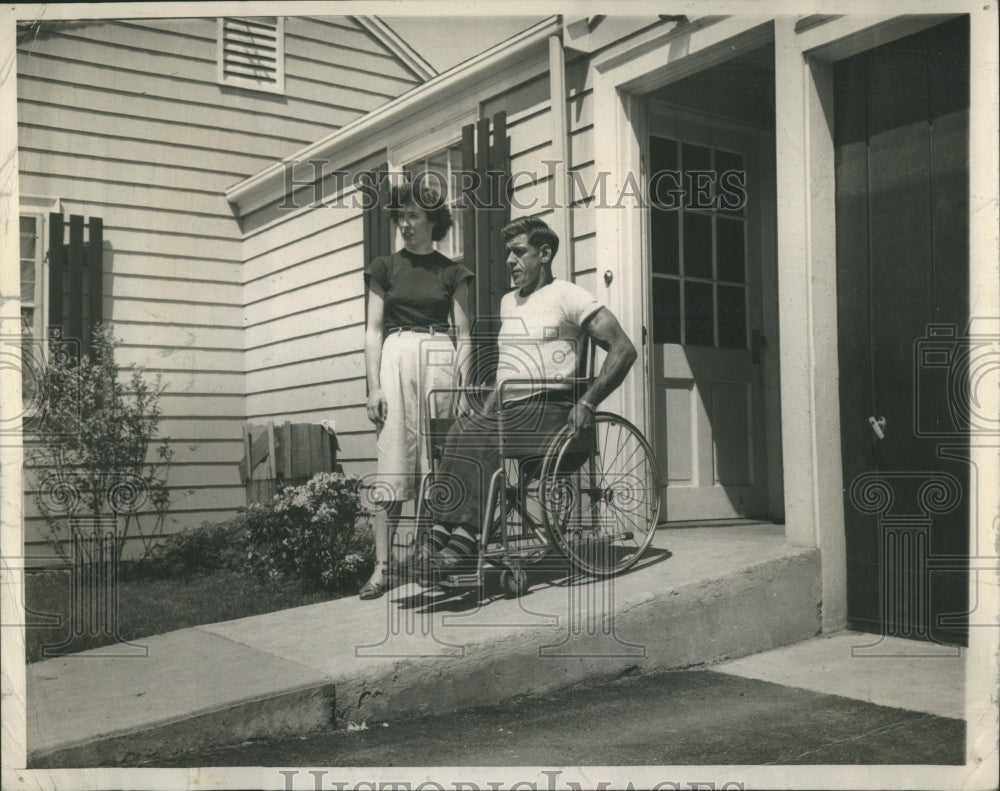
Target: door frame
<point>766,257</point>
<point>621,84</point>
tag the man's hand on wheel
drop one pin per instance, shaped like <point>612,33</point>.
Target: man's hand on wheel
<point>580,416</point>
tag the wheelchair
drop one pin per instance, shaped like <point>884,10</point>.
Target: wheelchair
<point>592,499</point>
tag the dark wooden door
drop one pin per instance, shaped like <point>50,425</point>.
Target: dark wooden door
<point>901,139</point>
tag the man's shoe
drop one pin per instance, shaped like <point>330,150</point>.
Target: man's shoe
<point>449,561</point>
<point>417,566</point>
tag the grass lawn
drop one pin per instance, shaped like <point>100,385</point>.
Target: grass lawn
<point>153,606</point>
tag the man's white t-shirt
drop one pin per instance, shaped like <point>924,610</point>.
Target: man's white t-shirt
<point>540,336</point>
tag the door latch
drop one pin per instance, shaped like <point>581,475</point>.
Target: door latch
<point>878,426</point>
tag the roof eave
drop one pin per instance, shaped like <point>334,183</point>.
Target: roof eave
<point>256,191</point>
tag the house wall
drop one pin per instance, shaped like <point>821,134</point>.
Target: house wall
<point>304,286</point>
<point>124,120</point>
<point>305,318</point>
<point>530,128</point>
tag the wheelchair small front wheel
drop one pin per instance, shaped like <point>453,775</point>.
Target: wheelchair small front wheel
<point>514,581</point>
<point>600,493</point>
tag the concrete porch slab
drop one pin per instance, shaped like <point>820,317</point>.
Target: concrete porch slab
<point>700,595</point>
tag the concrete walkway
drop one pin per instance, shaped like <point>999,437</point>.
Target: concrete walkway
<point>699,596</point>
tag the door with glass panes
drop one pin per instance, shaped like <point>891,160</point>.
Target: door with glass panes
<point>705,368</point>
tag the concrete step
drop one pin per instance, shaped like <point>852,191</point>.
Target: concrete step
<point>701,595</point>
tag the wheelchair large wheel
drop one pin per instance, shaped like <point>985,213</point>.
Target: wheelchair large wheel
<point>601,495</point>
<point>520,511</point>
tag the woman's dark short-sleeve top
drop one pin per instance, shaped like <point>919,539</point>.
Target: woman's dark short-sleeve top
<point>418,288</point>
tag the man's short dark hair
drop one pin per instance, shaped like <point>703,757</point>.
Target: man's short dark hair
<point>423,195</point>
<point>536,230</point>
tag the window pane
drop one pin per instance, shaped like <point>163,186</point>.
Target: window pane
<point>28,237</point>
<point>440,172</point>
<point>697,157</point>
<point>697,245</point>
<point>28,280</point>
<point>732,317</point>
<point>731,180</point>
<point>666,187</point>
<point>28,256</point>
<point>729,249</point>
<point>662,154</point>
<point>699,323</point>
<point>698,178</point>
<point>666,252</point>
<point>666,310</point>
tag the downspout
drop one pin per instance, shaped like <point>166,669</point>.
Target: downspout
<point>562,267</point>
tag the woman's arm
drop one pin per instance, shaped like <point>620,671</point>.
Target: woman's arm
<point>463,342</point>
<point>374,335</point>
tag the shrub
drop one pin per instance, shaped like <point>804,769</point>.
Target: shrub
<point>93,441</point>
<point>211,547</point>
<point>312,533</point>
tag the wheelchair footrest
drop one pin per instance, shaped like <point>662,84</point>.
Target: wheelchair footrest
<point>461,580</point>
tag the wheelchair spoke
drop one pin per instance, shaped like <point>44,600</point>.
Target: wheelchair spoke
<point>602,512</point>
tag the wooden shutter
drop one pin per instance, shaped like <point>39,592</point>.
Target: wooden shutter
<point>76,278</point>
<point>485,152</point>
<point>377,227</point>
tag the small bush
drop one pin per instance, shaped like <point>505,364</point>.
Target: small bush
<point>311,533</point>
<point>209,548</point>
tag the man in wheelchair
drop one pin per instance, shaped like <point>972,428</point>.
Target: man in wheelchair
<point>544,323</point>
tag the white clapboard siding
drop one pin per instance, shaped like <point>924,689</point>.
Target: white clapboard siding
<point>178,335</point>
<point>131,264</point>
<point>344,417</point>
<point>203,92</point>
<point>316,296</point>
<point>202,429</point>
<point>123,103</point>
<point>581,147</point>
<point>335,248</point>
<point>125,286</point>
<point>316,347</point>
<point>275,248</point>
<point>359,51</point>
<point>162,360</point>
<point>168,312</point>
<point>336,363</point>
<point>168,157</point>
<point>334,270</point>
<point>584,220</point>
<point>530,131</point>
<point>305,322</point>
<point>189,140</point>
<point>330,394</point>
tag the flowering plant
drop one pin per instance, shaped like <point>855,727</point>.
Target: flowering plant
<point>314,532</point>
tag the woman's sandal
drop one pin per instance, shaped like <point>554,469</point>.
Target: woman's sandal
<point>374,590</point>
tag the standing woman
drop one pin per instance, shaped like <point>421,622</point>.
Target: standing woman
<point>412,296</point>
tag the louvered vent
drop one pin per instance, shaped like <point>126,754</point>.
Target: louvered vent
<point>252,53</point>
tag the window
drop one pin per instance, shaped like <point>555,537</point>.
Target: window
<point>33,256</point>
<point>251,53</point>
<point>31,276</point>
<point>699,248</point>
<point>34,281</point>
<point>442,169</point>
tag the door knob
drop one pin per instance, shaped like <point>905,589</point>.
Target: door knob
<point>878,426</point>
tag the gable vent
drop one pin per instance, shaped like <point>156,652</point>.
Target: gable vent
<point>252,53</point>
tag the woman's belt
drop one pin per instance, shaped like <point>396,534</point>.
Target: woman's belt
<point>432,329</point>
